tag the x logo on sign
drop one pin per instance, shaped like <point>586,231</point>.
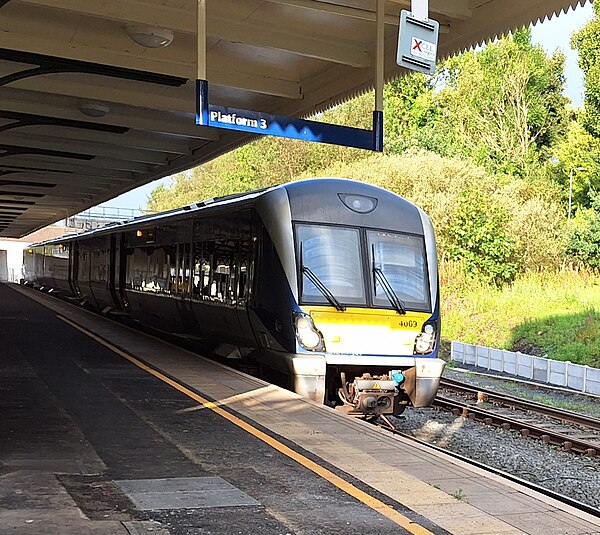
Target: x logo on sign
<point>417,45</point>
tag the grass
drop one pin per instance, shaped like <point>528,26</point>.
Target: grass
<point>554,314</point>
<point>458,494</point>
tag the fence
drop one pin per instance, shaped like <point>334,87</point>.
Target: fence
<point>554,372</point>
<point>103,215</point>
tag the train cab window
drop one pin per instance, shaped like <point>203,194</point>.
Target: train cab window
<point>401,260</point>
<point>330,257</point>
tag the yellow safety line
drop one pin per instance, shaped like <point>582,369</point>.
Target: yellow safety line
<point>334,479</point>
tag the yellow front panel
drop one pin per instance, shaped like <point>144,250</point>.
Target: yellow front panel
<point>368,331</point>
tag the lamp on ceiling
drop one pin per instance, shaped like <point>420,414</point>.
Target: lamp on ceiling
<point>149,36</point>
<point>92,109</point>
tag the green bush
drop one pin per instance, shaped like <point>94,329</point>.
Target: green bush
<point>584,241</point>
<point>479,237</point>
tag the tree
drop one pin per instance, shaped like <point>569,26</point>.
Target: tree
<point>587,43</point>
<point>414,117</point>
<point>584,241</point>
<point>579,153</point>
<point>505,103</point>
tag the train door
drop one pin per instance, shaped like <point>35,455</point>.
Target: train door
<point>74,268</point>
<point>113,271</point>
<point>99,256</point>
<point>120,271</point>
<point>83,272</point>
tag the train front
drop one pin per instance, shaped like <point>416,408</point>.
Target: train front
<point>367,295</point>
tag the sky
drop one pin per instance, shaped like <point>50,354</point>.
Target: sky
<point>552,34</point>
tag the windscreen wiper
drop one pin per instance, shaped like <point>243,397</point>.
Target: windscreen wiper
<point>379,275</point>
<point>320,286</point>
<point>323,289</point>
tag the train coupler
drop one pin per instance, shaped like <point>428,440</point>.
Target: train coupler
<point>370,395</point>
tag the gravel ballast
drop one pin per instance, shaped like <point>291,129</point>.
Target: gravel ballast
<point>575,476</point>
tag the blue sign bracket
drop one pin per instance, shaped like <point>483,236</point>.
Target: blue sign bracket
<point>255,122</point>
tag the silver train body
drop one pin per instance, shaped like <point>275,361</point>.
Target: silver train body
<point>328,285</point>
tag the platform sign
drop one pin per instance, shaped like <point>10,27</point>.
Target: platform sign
<point>255,122</point>
<point>417,43</point>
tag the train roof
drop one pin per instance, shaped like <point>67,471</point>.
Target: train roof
<point>293,189</point>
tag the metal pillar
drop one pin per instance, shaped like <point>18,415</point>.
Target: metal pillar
<point>201,36</point>
<point>420,9</point>
<point>201,82</point>
<point>379,77</point>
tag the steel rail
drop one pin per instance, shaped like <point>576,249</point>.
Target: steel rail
<point>527,429</point>
<point>588,422</point>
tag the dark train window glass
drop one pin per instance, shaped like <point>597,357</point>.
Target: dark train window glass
<point>223,284</point>
<point>98,256</point>
<point>245,256</point>
<point>151,269</point>
<point>333,255</point>
<point>215,260</point>
<point>84,263</point>
<point>157,275</point>
<point>136,268</point>
<point>401,258</point>
<point>214,274</point>
<point>181,269</point>
<point>201,278</point>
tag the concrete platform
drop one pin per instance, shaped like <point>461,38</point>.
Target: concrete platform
<point>84,416</point>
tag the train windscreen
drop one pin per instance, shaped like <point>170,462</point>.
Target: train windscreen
<point>330,258</point>
<point>401,259</point>
<point>333,270</point>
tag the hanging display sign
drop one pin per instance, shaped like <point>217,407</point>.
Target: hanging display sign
<point>417,43</point>
<point>261,123</point>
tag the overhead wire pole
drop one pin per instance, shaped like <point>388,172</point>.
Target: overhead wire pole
<point>379,76</point>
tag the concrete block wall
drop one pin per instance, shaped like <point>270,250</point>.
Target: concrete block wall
<point>554,372</point>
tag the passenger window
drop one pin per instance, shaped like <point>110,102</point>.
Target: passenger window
<point>99,260</point>
<point>216,273</point>
<point>84,263</point>
<point>245,257</point>
<point>181,270</point>
<point>202,272</point>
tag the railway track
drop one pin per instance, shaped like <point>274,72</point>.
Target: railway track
<point>568,430</point>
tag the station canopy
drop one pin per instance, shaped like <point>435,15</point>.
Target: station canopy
<point>92,106</point>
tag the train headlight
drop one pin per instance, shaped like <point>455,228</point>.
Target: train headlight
<point>307,334</point>
<point>426,340</point>
<point>358,203</point>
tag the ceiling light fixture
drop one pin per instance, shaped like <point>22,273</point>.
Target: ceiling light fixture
<point>93,109</point>
<point>149,36</point>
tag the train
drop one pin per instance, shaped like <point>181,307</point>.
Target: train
<point>330,285</point>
